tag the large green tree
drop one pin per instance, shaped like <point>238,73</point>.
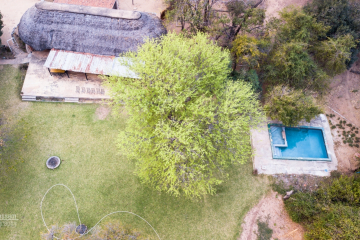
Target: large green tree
<point>187,122</point>
<point>342,17</point>
<point>301,56</point>
<point>334,53</point>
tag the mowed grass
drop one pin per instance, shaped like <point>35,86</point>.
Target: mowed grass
<point>101,179</point>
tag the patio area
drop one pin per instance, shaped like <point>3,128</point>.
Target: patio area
<point>264,162</point>
<point>39,85</point>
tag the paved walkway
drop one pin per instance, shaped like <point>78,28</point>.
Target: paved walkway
<point>15,61</point>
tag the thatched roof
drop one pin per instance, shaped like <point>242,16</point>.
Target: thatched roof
<point>92,3</point>
<point>82,30</point>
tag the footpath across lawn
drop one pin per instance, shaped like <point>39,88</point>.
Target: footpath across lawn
<point>101,179</point>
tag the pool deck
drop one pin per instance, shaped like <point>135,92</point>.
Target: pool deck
<point>265,164</point>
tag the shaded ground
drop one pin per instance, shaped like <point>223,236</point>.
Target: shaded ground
<point>344,98</point>
<point>272,208</point>
<point>274,6</point>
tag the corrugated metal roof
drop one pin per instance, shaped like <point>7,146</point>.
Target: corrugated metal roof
<point>88,63</point>
<point>90,3</point>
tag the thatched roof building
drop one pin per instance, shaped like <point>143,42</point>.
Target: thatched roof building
<point>87,29</point>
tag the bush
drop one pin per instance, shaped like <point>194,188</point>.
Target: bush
<point>290,106</point>
<point>337,222</point>
<point>332,212</point>
<point>248,76</point>
<point>302,207</point>
<point>341,19</point>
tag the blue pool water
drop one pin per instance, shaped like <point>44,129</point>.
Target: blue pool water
<point>302,143</point>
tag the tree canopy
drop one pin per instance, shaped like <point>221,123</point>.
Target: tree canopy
<point>247,51</point>
<point>342,17</point>
<point>187,122</point>
<point>290,106</point>
<point>301,56</point>
<point>226,22</point>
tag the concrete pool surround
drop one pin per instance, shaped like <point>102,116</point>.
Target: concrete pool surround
<point>264,162</point>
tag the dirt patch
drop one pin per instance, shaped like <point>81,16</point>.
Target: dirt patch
<point>303,183</point>
<point>271,207</point>
<point>102,112</point>
<point>344,98</point>
<point>274,6</point>
<point>12,12</point>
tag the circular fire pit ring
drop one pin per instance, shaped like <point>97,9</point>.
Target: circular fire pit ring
<point>81,229</point>
<point>53,162</point>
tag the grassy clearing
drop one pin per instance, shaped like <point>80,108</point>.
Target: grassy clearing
<point>102,180</point>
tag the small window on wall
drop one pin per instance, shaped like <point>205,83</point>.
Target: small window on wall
<point>115,6</point>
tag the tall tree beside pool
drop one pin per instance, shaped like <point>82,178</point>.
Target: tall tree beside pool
<point>187,122</point>
<point>290,106</point>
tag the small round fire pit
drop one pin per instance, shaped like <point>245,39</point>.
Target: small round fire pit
<point>81,229</point>
<point>53,162</point>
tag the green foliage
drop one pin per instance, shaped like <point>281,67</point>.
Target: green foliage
<point>187,123</point>
<point>337,222</point>
<point>302,206</point>
<point>86,143</point>
<point>264,232</point>
<point>197,13</point>
<point>290,106</point>
<point>290,61</point>
<point>110,230</point>
<point>247,51</point>
<point>332,212</point>
<point>295,25</point>
<point>241,16</point>
<point>345,190</point>
<point>1,27</point>
<point>248,76</point>
<point>335,53</point>
<point>201,15</point>
<point>341,17</point>
<point>302,56</point>
<point>292,64</point>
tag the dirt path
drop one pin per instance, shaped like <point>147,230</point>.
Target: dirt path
<point>271,206</point>
<point>344,98</point>
<point>12,12</point>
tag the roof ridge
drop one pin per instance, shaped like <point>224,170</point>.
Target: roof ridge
<point>96,11</point>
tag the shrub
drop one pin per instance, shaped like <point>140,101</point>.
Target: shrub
<point>290,106</point>
<point>331,212</point>
<point>302,207</point>
<point>337,222</point>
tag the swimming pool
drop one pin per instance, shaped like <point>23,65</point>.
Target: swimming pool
<point>298,143</point>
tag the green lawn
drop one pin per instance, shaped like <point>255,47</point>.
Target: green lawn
<point>101,180</point>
